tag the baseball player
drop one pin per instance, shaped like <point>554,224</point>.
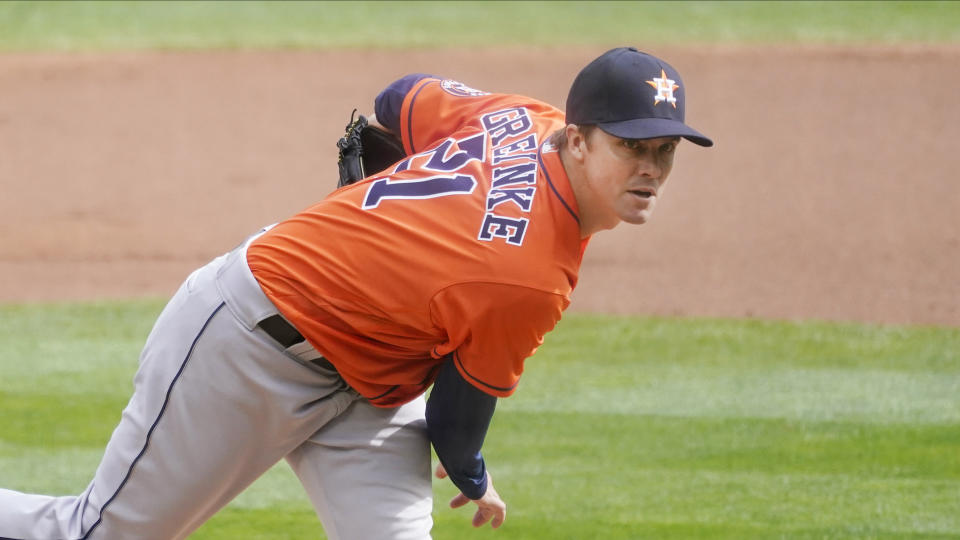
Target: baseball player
<point>315,340</point>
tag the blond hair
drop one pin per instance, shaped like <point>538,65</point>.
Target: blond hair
<point>559,138</point>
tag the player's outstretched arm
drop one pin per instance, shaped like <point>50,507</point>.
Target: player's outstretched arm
<point>490,507</point>
<point>458,415</point>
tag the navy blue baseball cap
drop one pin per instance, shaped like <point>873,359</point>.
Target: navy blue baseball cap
<point>631,95</point>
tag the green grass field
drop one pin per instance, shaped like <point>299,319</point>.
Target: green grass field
<point>622,428</point>
<point>29,25</point>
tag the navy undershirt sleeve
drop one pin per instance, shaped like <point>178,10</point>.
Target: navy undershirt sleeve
<point>388,103</point>
<point>458,415</point>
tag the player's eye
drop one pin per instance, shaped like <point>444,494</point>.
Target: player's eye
<point>632,144</point>
<point>669,147</point>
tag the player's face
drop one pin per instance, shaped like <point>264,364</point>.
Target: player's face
<point>626,176</point>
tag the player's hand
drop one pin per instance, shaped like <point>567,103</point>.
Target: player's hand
<point>490,507</point>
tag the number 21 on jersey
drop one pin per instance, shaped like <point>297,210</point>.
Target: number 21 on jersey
<point>448,159</point>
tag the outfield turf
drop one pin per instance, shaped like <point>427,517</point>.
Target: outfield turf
<point>621,428</point>
<point>88,25</point>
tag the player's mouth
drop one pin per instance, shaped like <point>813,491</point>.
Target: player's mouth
<point>644,193</point>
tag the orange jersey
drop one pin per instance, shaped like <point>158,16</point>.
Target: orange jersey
<point>470,246</point>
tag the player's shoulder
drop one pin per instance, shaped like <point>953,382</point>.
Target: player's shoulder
<point>458,89</point>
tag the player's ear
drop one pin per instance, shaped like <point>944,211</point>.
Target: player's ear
<point>576,141</point>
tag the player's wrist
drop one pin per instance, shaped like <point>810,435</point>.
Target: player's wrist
<point>481,490</point>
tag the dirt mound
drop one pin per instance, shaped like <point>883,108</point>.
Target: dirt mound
<point>831,192</point>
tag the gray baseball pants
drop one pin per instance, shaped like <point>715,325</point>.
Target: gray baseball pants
<point>216,403</point>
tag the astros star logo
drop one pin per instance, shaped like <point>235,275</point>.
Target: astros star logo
<point>665,88</point>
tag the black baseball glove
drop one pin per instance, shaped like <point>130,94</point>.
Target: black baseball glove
<point>365,150</point>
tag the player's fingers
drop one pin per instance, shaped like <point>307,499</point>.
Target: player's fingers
<point>480,518</point>
<point>459,500</point>
<point>495,517</point>
<point>499,518</point>
<point>495,513</point>
<point>440,472</point>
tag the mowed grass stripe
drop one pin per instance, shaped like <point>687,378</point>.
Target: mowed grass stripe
<point>43,25</point>
<point>864,395</point>
<point>622,476</point>
<point>928,452</point>
<point>598,341</point>
<point>622,428</point>
<point>758,369</point>
<point>586,504</point>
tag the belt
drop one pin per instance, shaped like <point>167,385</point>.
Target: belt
<point>281,331</point>
<point>243,296</point>
<point>285,334</point>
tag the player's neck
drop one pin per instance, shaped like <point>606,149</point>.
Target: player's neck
<point>591,222</point>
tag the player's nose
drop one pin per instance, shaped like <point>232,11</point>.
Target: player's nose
<point>649,167</point>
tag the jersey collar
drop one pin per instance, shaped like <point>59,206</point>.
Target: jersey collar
<point>549,159</point>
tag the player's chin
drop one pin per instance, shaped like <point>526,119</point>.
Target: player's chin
<point>637,210</point>
<point>637,217</point>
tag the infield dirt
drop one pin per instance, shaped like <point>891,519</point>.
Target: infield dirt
<point>831,193</point>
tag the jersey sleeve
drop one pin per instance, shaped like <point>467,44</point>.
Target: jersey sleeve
<point>492,328</point>
<point>388,103</point>
<point>435,108</point>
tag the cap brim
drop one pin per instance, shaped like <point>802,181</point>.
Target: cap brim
<point>651,128</point>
